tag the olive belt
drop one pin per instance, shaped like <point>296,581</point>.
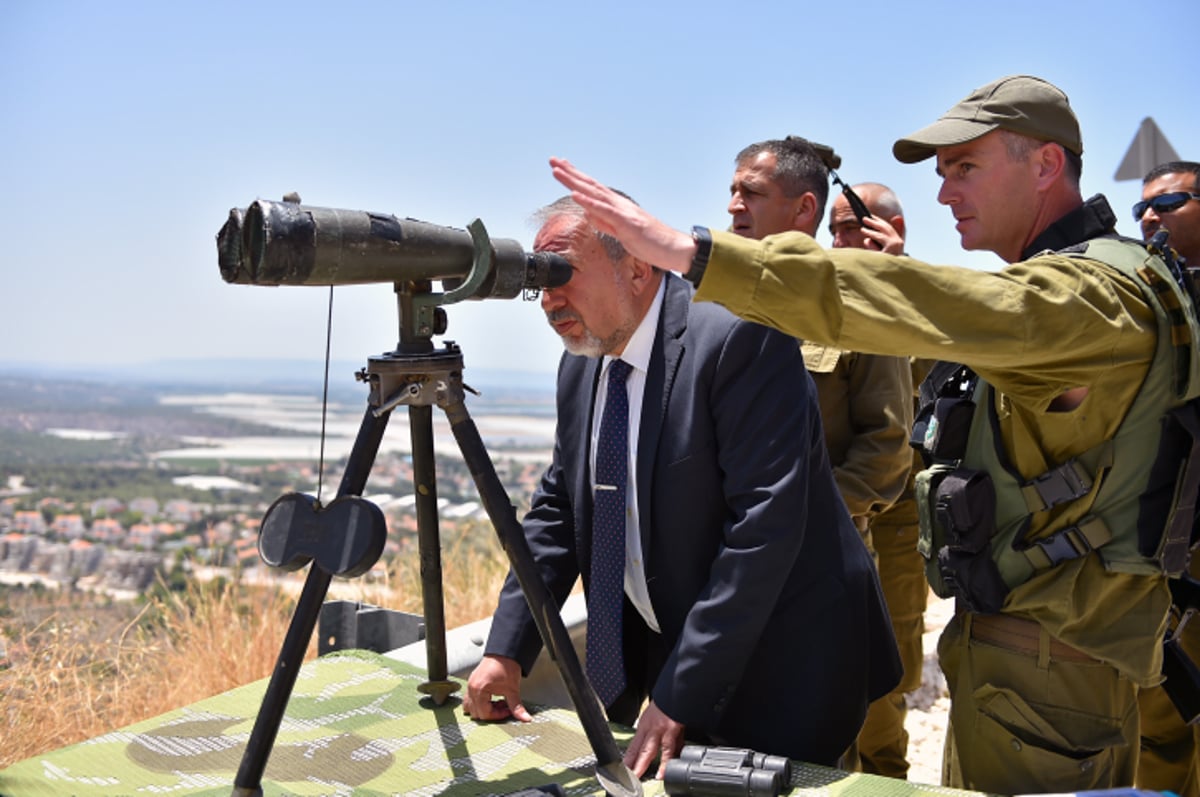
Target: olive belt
<point>1021,636</point>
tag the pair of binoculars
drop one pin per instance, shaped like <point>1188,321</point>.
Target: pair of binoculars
<point>719,771</point>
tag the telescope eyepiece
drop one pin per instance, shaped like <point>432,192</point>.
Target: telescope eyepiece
<point>546,270</point>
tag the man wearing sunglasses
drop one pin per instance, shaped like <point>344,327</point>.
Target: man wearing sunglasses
<point>1033,519</point>
<point>1170,757</point>
<point>1171,201</point>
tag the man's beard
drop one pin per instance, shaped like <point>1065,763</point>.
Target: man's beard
<point>587,344</point>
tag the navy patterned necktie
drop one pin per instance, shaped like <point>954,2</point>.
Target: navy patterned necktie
<point>605,602</point>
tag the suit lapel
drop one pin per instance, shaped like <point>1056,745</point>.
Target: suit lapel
<point>582,443</point>
<point>660,378</point>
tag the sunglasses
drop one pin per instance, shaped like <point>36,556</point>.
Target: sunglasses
<point>1163,203</point>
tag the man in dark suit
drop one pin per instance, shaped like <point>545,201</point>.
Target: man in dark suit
<point>752,612</point>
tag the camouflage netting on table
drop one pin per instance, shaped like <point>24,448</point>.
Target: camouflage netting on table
<point>356,724</point>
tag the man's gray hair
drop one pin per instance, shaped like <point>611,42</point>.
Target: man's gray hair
<point>567,206</point>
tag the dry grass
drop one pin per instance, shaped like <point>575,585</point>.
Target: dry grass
<point>73,676</point>
<point>471,578</point>
<point>83,670</point>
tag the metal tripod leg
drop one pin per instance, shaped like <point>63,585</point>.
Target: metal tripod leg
<point>611,771</point>
<point>439,686</point>
<point>308,609</point>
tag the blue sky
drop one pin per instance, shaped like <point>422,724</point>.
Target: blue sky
<point>128,130</point>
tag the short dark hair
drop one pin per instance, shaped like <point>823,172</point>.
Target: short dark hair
<point>1175,167</point>
<point>798,167</point>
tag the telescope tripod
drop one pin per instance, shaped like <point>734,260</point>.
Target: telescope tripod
<point>418,376</point>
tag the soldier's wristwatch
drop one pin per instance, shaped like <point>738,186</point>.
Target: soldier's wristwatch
<point>703,239</point>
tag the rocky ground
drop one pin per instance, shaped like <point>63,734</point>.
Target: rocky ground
<point>929,705</point>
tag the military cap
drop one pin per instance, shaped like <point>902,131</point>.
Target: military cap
<point>1020,103</point>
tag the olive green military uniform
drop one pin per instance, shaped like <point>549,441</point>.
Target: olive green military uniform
<point>1169,746</point>
<point>883,742</point>
<point>1055,710</point>
<point>866,414</point>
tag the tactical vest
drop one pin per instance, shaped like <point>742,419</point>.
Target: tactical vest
<point>1140,487</point>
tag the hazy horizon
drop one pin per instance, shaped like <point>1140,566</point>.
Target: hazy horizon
<point>260,373</point>
<point>131,128</point>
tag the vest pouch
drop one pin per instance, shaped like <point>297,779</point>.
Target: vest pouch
<point>916,436</point>
<point>964,507</point>
<point>940,429</point>
<point>1167,509</point>
<point>974,579</point>
<point>931,536</point>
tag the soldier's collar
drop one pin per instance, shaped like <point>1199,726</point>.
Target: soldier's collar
<point>1090,220</point>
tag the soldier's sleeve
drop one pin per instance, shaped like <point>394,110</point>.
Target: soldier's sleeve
<point>878,459</point>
